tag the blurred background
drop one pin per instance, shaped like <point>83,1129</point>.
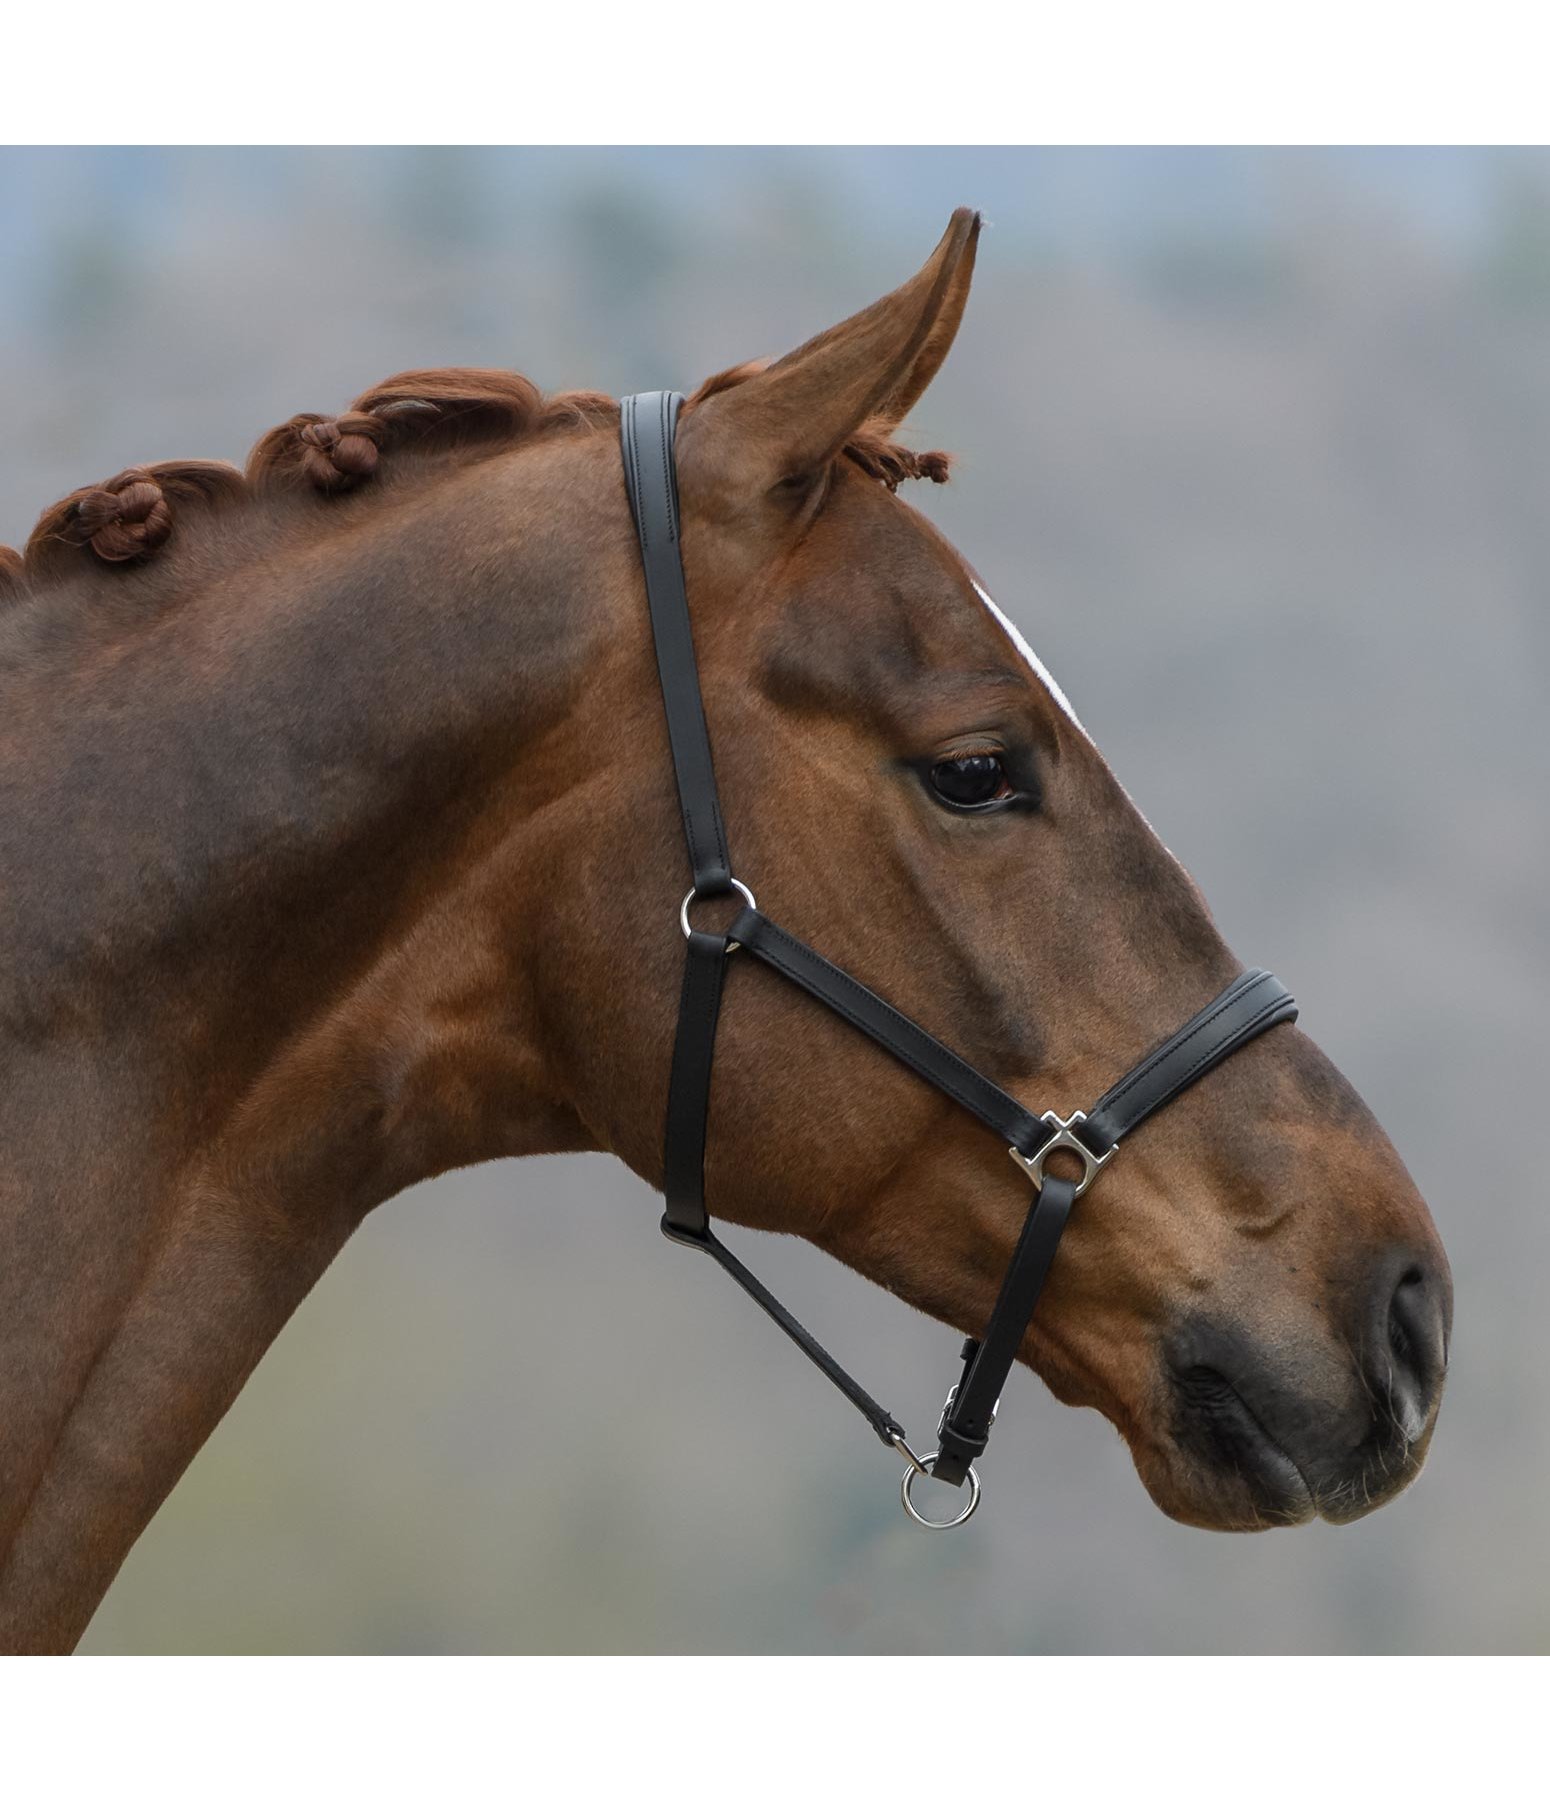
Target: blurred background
<point>1255,446</point>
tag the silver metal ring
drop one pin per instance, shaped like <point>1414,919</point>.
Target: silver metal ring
<point>927,1464</point>
<point>689,898</point>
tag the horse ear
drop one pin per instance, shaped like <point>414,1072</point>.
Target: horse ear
<point>788,421</point>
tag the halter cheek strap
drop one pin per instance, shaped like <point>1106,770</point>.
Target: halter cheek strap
<point>1248,1006</point>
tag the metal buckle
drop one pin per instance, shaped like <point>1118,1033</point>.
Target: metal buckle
<point>1065,1138</point>
<point>947,1407</point>
<point>683,911</point>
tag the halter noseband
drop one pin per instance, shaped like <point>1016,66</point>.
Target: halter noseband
<point>1240,1013</point>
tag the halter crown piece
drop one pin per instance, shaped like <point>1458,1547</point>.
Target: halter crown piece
<point>1240,1013</point>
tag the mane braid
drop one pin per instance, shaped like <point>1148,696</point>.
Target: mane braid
<point>123,522</point>
<point>425,409</point>
<point>128,518</point>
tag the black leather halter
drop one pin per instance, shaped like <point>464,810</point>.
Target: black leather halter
<point>1248,1006</point>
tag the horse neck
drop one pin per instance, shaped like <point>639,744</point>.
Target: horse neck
<point>242,964</point>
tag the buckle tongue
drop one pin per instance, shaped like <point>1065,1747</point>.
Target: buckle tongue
<point>1063,1138</point>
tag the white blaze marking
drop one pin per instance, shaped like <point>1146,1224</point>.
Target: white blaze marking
<point>1026,651</point>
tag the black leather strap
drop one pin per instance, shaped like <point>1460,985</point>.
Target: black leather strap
<point>1250,1005</point>
<point>688,1084</point>
<point>686,1220</point>
<point>971,1409</point>
<point>647,425</point>
<point>901,1037</point>
<point>878,1417</point>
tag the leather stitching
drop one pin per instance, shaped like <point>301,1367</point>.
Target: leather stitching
<point>667,469</point>
<point>688,732</point>
<point>632,474</point>
<point>688,735</point>
<point>1213,1054</point>
<point>1176,1043</point>
<point>1235,1042</point>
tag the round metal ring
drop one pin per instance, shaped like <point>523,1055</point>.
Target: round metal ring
<point>928,1463</point>
<point>683,911</point>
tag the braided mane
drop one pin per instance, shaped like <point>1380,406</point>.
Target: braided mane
<point>448,414</point>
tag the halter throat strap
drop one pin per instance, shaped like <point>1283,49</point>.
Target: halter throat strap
<point>1250,1005</point>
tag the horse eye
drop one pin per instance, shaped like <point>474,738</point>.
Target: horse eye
<point>971,780</point>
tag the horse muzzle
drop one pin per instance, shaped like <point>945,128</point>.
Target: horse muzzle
<point>1278,1432</point>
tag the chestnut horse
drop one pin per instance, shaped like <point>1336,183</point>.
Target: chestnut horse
<point>335,796</point>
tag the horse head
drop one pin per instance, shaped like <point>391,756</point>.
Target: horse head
<point>1255,1294</point>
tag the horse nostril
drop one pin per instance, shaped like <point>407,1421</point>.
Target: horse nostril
<point>1400,1341</point>
<point>1414,1327</point>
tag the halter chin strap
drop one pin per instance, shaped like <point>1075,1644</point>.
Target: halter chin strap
<point>1249,1006</point>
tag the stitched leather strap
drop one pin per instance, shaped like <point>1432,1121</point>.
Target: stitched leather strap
<point>647,426</point>
<point>1250,1005</point>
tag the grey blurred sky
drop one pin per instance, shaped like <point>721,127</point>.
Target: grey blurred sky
<point>1254,446</point>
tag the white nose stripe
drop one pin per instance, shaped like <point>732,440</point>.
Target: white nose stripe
<point>1026,651</point>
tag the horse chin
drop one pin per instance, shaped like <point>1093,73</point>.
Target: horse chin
<point>1232,1475</point>
<point>1260,1496</point>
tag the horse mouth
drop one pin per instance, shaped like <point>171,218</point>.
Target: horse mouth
<point>1217,1427</point>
